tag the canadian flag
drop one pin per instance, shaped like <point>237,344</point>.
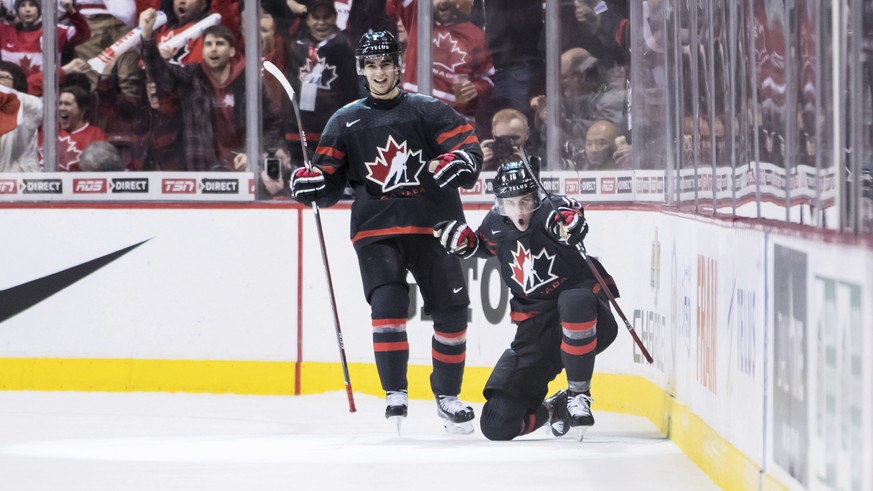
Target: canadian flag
<point>10,110</point>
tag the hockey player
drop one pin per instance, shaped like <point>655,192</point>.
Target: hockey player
<point>563,319</point>
<point>404,155</point>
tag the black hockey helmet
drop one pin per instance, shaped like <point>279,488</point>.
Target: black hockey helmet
<point>379,44</point>
<point>514,180</point>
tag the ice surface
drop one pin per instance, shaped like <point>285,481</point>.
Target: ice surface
<point>160,441</point>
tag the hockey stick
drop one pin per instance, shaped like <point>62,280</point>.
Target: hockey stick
<point>270,67</point>
<point>581,248</point>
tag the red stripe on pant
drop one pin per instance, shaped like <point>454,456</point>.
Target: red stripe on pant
<point>579,350</point>
<point>395,346</point>
<point>448,358</point>
<point>389,322</point>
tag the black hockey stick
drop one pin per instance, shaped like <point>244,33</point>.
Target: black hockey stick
<point>336,322</point>
<point>581,248</point>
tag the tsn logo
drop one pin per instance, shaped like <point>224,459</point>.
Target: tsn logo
<point>571,186</point>
<point>89,186</point>
<point>179,186</point>
<point>8,187</point>
<point>476,189</point>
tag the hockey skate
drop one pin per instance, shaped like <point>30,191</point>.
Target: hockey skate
<point>398,402</point>
<point>579,407</point>
<point>559,416</point>
<point>457,417</point>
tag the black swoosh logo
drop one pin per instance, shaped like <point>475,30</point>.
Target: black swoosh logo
<point>19,298</point>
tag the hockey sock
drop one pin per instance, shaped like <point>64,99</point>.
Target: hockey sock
<point>578,311</point>
<point>449,351</point>
<point>391,348</point>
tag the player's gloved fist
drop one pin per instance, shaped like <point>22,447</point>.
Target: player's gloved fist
<point>451,168</point>
<point>307,184</point>
<point>457,238</point>
<point>568,225</point>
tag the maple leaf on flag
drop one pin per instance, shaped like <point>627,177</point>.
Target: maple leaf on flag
<point>10,110</point>
<point>446,52</point>
<point>27,66</point>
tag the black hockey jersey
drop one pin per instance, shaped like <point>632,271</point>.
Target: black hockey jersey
<point>382,149</point>
<point>533,264</point>
<point>329,66</point>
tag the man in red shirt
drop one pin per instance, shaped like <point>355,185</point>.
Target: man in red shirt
<point>462,66</point>
<point>75,133</point>
<point>212,98</point>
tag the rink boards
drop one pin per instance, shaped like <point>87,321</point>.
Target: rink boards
<point>759,336</point>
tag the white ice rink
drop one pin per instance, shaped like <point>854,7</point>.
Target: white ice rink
<point>158,441</point>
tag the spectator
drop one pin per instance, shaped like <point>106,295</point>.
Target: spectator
<point>287,14</point>
<point>21,115</point>
<point>368,16</point>
<point>100,156</point>
<point>160,130</point>
<point>508,124</point>
<point>22,42</point>
<point>515,34</point>
<point>600,146</point>
<point>276,186</point>
<point>185,14</point>
<point>75,133</point>
<point>462,66</point>
<point>601,30</point>
<point>213,106</point>
<point>322,71</point>
<point>586,98</point>
<point>108,21</point>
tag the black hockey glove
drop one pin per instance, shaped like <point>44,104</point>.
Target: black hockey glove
<point>457,238</point>
<point>567,225</point>
<point>450,169</point>
<point>307,185</point>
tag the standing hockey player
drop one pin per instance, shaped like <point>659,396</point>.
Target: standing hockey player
<point>563,318</point>
<point>404,155</point>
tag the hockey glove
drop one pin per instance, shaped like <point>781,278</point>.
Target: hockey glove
<point>450,169</point>
<point>567,225</point>
<point>457,238</point>
<point>307,185</point>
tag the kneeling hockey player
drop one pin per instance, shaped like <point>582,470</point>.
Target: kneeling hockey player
<point>563,318</point>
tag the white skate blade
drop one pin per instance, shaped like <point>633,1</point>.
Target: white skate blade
<point>581,430</point>
<point>397,420</point>
<point>464,428</point>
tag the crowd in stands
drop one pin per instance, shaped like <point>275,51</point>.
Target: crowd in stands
<point>162,81</point>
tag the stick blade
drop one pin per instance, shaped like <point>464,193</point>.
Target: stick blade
<point>274,71</point>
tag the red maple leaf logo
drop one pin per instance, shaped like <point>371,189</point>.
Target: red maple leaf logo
<point>525,270</point>
<point>446,52</point>
<point>396,166</point>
